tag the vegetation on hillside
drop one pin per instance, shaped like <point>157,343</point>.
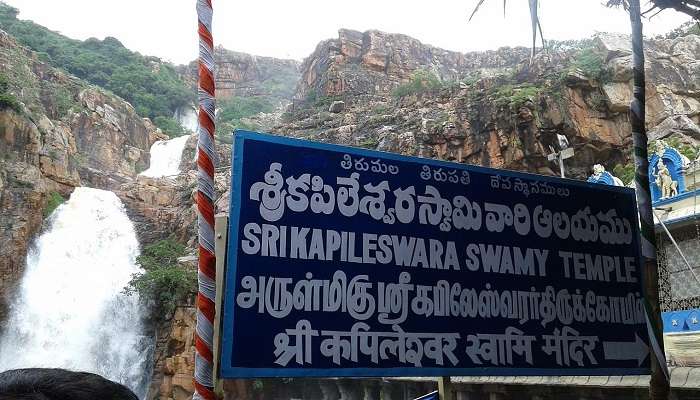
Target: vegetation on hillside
<point>55,200</point>
<point>163,282</point>
<point>153,87</point>
<point>7,100</point>
<point>232,111</point>
<point>422,81</point>
<point>591,62</point>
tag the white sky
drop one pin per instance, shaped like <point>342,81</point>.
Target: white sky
<point>291,29</point>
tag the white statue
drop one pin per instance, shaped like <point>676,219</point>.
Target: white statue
<point>666,184</point>
<point>660,146</point>
<point>599,170</point>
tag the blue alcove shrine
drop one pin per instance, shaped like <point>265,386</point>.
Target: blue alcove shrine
<point>673,160</point>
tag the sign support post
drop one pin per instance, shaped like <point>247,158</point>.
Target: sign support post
<point>221,241</point>
<point>659,385</point>
<point>445,391</point>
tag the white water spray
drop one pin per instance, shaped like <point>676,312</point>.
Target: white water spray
<point>165,157</point>
<point>69,311</point>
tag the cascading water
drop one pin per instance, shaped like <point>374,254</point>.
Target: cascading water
<point>70,311</point>
<point>165,157</point>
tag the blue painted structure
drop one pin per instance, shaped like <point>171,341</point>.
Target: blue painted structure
<point>681,321</point>
<point>606,178</point>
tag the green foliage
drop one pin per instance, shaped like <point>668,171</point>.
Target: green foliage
<point>7,100</point>
<point>315,100</point>
<point>598,100</point>
<point>169,126</point>
<point>64,101</point>
<point>381,109</point>
<point>624,172</point>
<point>55,200</point>
<point>515,96</point>
<point>687,150</point>
<point>163,282</point>
<point>590,61</point>
<point>233,110</point>
<point>151,86</point>
<point>369,143</point>
<point>687,28</point>
<point>421,82</point>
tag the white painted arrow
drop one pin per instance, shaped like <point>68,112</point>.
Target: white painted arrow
<point>637,350</point>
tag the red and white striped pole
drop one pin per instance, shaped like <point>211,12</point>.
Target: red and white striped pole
<point>206,154</point>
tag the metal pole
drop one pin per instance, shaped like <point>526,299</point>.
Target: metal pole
<point>659,384</point>
<point>561,164</point>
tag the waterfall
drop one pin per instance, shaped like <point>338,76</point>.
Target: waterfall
<point>165,157</point>
<point>69,311</point>
<point>186,116</point>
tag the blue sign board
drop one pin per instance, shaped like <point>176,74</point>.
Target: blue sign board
<point>348,262</point>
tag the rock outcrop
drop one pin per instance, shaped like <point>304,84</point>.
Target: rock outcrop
<point>490,108</point>
<point>494,108</point>
<point>245,75</point>
<point>375,62</point>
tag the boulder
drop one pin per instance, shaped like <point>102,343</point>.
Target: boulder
<point>337,107</point>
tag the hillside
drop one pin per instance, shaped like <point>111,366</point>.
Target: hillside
<point>61,126</point>
<point>159,90</point>
<point>493,108</point>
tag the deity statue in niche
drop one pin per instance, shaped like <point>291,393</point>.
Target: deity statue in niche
<point>666,184</point>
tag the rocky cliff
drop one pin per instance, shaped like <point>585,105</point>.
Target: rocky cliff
<point>63,133</point>
<point>497,109</point>
<point>375,62</point>
<point>376,90</point>
<point>246,75</point>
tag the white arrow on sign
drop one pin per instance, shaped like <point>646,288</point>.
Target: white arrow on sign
<point>637,350</point>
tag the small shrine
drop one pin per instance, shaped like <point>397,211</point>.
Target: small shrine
<point>666,172</point>
<point>674,181</point>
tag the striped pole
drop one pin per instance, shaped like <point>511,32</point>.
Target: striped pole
<point>659,385</point>
<point>206,154</point>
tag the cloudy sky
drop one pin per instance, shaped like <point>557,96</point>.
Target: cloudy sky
<point>291,29</point>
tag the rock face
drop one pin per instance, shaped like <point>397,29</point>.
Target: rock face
<point>175,360</point>
<point>375,62</point>
<point>246,75</point>
<point>67,134</point>
<point>494,108</point>
<point>490,108</point>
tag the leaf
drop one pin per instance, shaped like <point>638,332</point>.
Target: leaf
<point>534,19</point>
<point>476,9</point>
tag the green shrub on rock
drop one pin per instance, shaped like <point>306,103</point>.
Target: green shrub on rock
<point>163,282</point>
<point>422,81</point>
<point>55,200</point>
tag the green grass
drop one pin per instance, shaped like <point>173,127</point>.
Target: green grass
<point>421,82</point>
<point>55,200</point>
<point>7,100</point>
<point>514,96</point>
